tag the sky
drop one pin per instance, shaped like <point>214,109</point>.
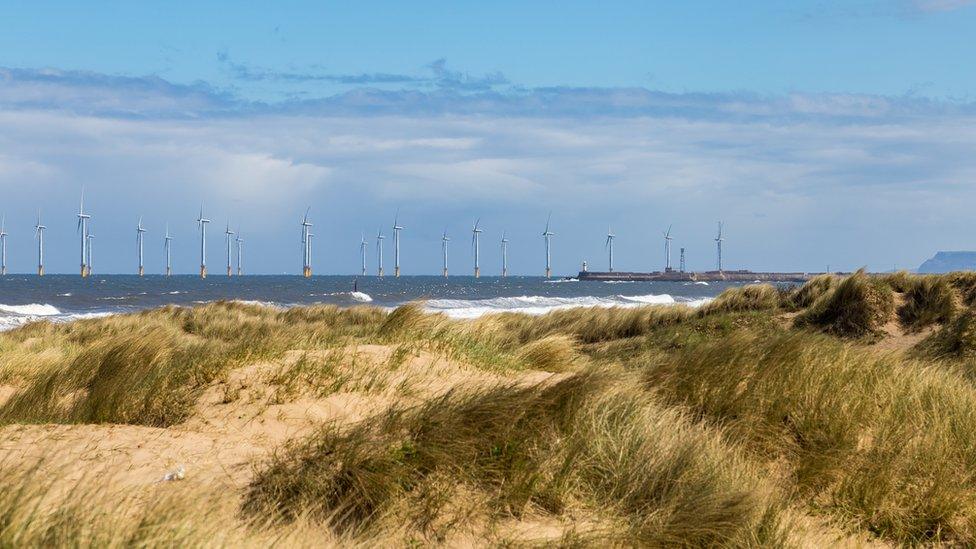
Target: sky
<point>821,133</point>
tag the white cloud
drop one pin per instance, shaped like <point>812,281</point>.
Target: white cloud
<point>837,169</point>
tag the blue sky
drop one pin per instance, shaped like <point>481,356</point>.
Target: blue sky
<point>821,132</point>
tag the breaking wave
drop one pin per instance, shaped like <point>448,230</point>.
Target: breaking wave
<point>537,305</point>
<point>12,316</point>
<point>34,309</point>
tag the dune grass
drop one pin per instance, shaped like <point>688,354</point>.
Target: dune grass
<point>40,508</point>
<point>662,425</point>
<point>753,297</point>
<point>483,456</point>
<point>879,440</point>
<point>149,368</point>
<point>956,340</point>
<point>857,307</point>
<point>928,300</point>
<point>807,294</point>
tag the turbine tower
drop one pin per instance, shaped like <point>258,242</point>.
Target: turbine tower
<point>504,255</point>
<point>139,240</point>
<point>89,238</point>
<point>227,237</point>
<point>476,244</point>
<point>609,245</point>
<point>240,252</point>
<point>309,255</point>
<point>306,246</point>
<point>547,235</point>
<point>718,243</point>
<point>667,250</point>
<point>362,250</point>
<point>3,246</point>
<point>202,225</point>
<point>681,261</point>
<point>444,240</point>
<point>83,231</point>
<point>379,252</point>
<point>396,245</point>
<point>39,233</point>
<point>167,247</point>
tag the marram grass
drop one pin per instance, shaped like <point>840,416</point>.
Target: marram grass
<point>765,418</point>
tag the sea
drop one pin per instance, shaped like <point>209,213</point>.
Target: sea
<point>63,298</point>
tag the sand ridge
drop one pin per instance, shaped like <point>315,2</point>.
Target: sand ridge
<point>244,416</point>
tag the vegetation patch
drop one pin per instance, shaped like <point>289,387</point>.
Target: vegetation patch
<point>754,297</point>
<point>495,454</point>
<point>807,294</point>
<point>928,300</point>
<point>858,307</point>
<point>873,438</point>
<point>955,340</point>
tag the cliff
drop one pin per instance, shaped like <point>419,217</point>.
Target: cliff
<point>944,262</point>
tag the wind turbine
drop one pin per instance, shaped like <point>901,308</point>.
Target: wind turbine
<point>718,243</point>
<point>39,233</point>
<point>227,237</point>
<point>681,261</point>
<point>306,246</point>
<point>547,235</point>
<point>476,244</point>
<point>396,245</point>
<point>3,245</point>
<point>83,231</point>
<point>379,251</point>
<point>89,237</point>
<point>667,250</point>
<point>504,255</point>
<point>202,225</point>
<point>167,246</point>
<point>139,240</point>
<point>240,252</point>
<point>362,249</point>
<point>444,240</point>
<point>609,245</point>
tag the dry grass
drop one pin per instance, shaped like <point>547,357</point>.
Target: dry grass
<point>955,340</point>
<point>37,511</point>
<point>928,300</point>
<point>807,294</point>
<point>754,297</point>
<point>476,459</point>
<point>660,425</point>
<point>870,438</point>
<point>857,307</point>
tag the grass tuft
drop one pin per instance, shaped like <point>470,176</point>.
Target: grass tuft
<point>869,437</point>
<point>807,294</point>
<point>955,340</point>
<point>754,297</point>
<point>555,353</point>
<point>506,452</point>
<point>858,307</point>
<point>928,300</point>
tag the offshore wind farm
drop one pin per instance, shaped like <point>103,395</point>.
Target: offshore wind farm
<point>487,287</point>
<point>234,250</point>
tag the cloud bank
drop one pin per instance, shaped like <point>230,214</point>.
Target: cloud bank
<point>801,180</point>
